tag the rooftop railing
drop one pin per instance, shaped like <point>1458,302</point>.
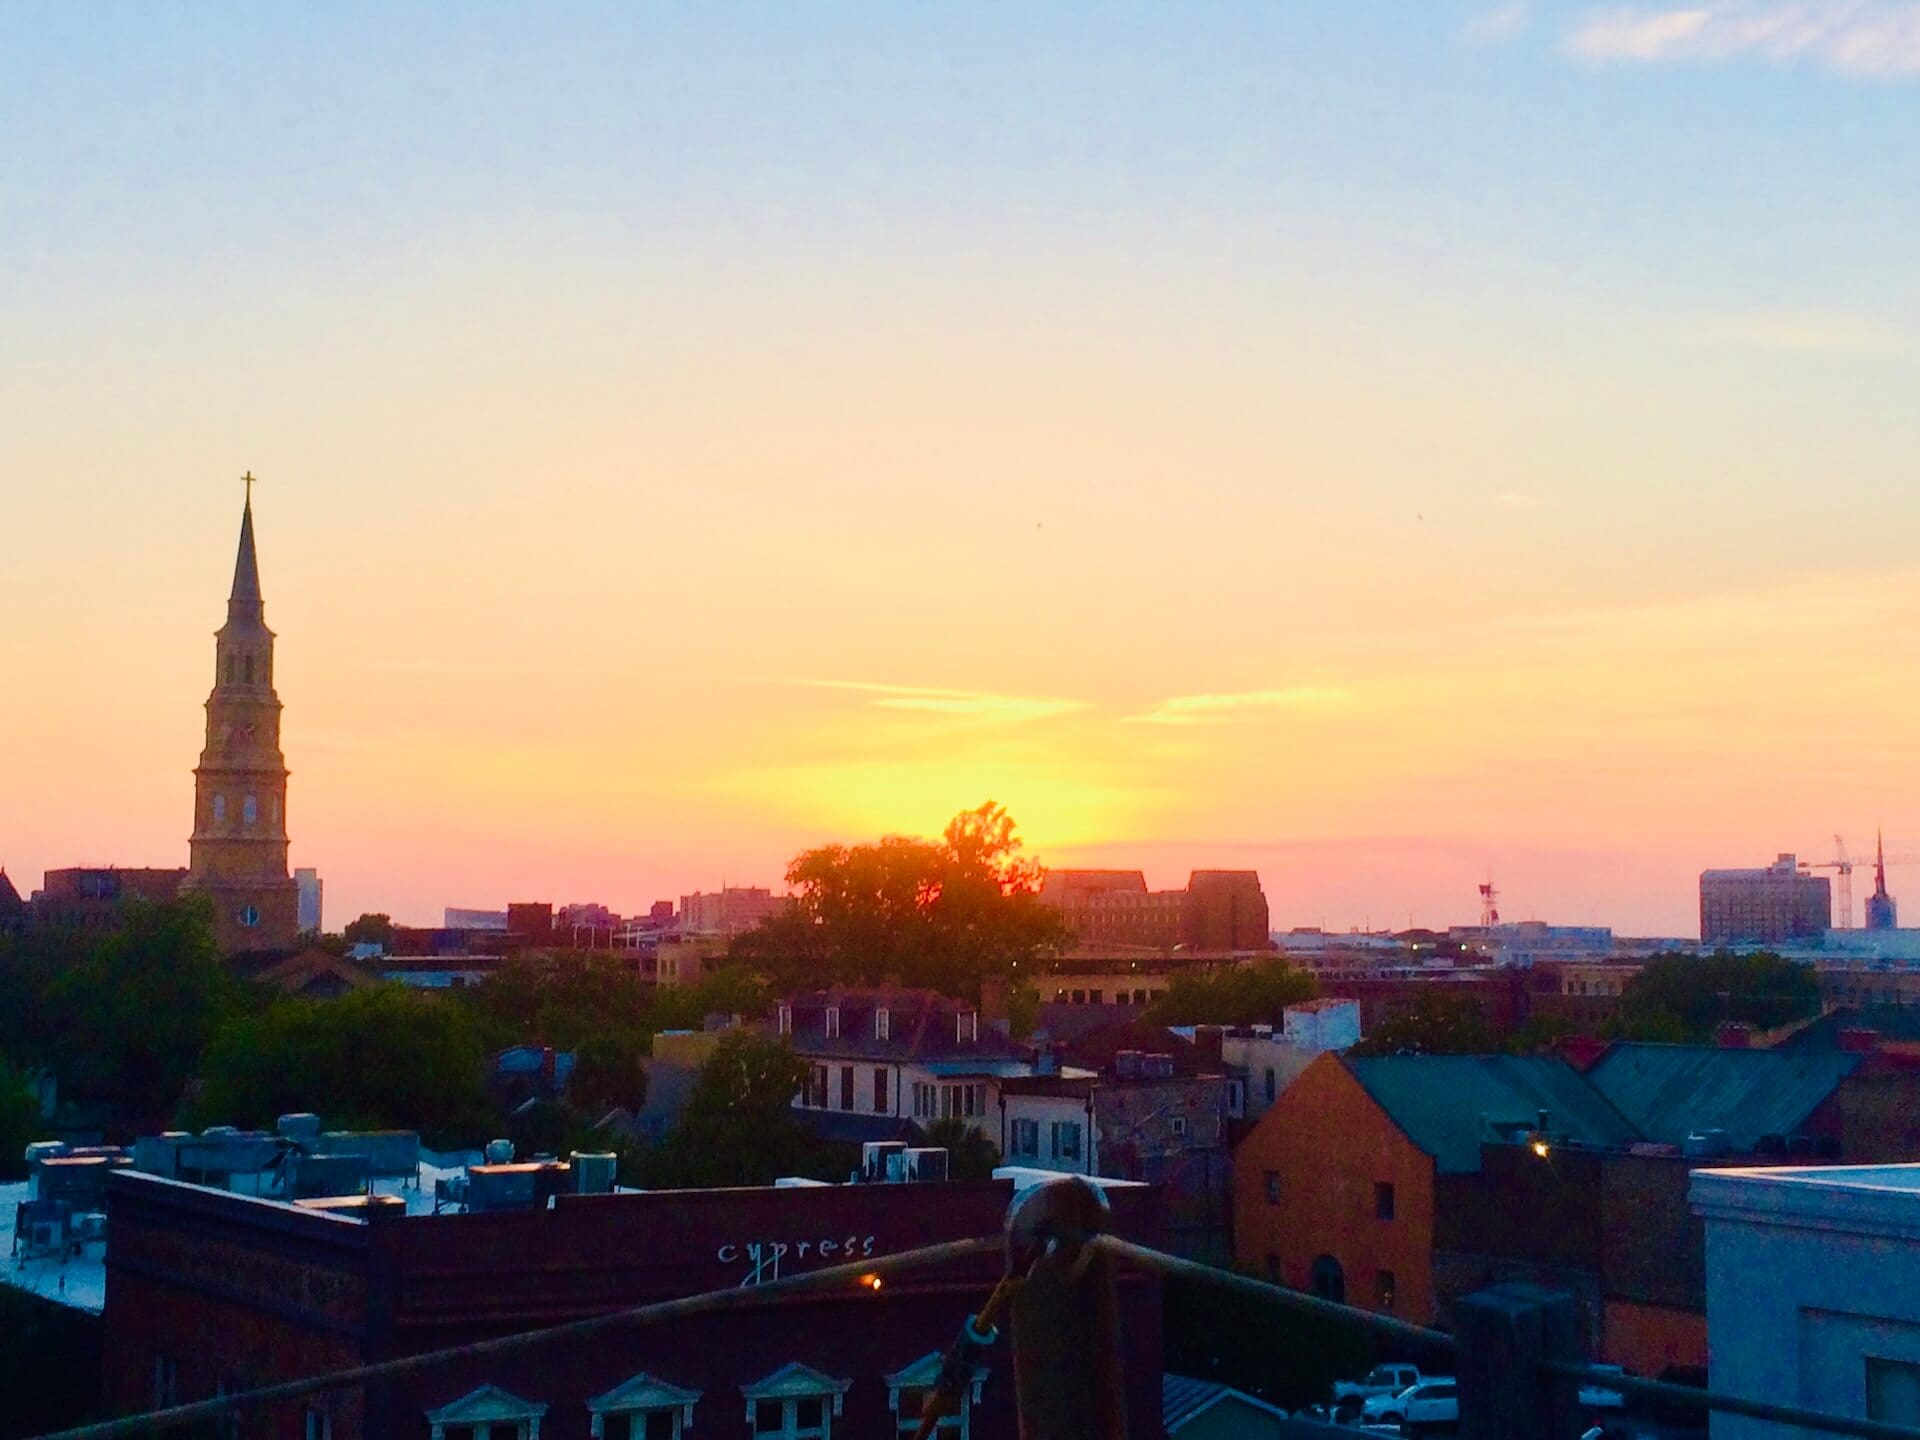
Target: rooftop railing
<point>1515,1348</point>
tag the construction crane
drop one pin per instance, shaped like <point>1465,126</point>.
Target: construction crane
<point>1843,866</point>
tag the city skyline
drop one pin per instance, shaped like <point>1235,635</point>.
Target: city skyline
<point>1371,452</point>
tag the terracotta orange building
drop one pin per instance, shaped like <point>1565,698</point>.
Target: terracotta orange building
<point>1341,1188</point>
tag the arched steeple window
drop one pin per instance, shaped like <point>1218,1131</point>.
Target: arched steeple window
<point>219,809</point>
<point>249,667</point>
<point>229,667</point>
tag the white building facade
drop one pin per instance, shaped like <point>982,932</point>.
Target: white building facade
<point>1813,1291</point>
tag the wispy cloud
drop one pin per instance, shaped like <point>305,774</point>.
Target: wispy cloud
<point>1853,37</point>
<point>1517,500</point>
<point>1498,25</point>
<point>938,700</point>
<point>1802,331</point>
<point>1211,709</point>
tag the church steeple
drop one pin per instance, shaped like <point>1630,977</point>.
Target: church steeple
<point>239,844</point>
<point>245,603</point>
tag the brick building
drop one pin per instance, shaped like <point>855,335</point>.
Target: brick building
<point>209,1291</point>
<point>89,897</point>
<point>1220,911</point>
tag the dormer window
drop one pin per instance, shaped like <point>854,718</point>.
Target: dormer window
<point>882,1024</point>
<point>966,1027</point>
<point>785,1020</point>
<point>833,1022</point>
<point>488,1413</point>
<point>909,1387</point>
<point>796,1402</point>
<point>645,1408</point>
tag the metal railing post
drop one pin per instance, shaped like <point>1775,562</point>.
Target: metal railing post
<point>1069,1382</point>
<point>1503,1336</point>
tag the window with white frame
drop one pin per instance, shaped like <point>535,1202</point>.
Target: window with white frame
<point>882,1024</point>
<point>786,1019</point>
<point>909,1387</point>
<point>833,1022</point>
<point>644,1408</point>
<point>796,1402</point>
<point>488,1413</point>
<point>966,1027</point>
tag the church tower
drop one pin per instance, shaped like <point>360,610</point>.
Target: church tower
<point>239,845</point>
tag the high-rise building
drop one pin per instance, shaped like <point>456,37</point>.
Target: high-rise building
<point>309,885</point>
<point>1766,906</point>
<point>238,853</point>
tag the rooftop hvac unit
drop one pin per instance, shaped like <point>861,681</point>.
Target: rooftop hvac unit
<point>896,1167</point>
<point>926,1163</point>
<point>875,1159</point>
<point>315,1176</point>
<point>449,1190</point>
<point>45,1150</point>
<point>219,1132</point>
<point>90,1227</point>
<point>593,1172</point>
<point>499,1152</point>
<point>302,1129</point>
<point>1702,1143</point>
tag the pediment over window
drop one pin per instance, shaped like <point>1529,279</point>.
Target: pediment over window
<point>646,1392</point>
<point>924,1374</point>
<point>488,1403</point>
<point>796,1382</point>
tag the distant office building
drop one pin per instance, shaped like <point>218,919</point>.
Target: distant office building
<point>89,897</point>
<point>1219,910</point>
<point>729,911</point>
<point>1528,942</point>
<point>1764,907</point>
<point>454,919</point>
<point>307,884</point>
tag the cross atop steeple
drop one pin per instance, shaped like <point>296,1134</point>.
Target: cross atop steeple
<point>247,480</point>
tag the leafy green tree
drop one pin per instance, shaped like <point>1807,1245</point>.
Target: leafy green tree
<point>370,929</point>
<point>559,998</point>
<point>1241,995</point>
<point>139,1006</point>
<point>1437,1024</point>
<point>384,1057</point>
<point>1541,1035</point>
<point>1686,997</point>
<point>738,1127</point>
<point>970,1155</point>
<point>609,1070</point>
<point>19,1121</point>
<point>944,913</point>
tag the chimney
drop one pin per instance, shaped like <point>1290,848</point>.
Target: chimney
<point>994,993</point>
<point>1210,1042</point>
<point>1733,1035</point>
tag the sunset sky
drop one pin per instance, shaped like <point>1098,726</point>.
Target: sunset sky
<point>1370,443</point>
